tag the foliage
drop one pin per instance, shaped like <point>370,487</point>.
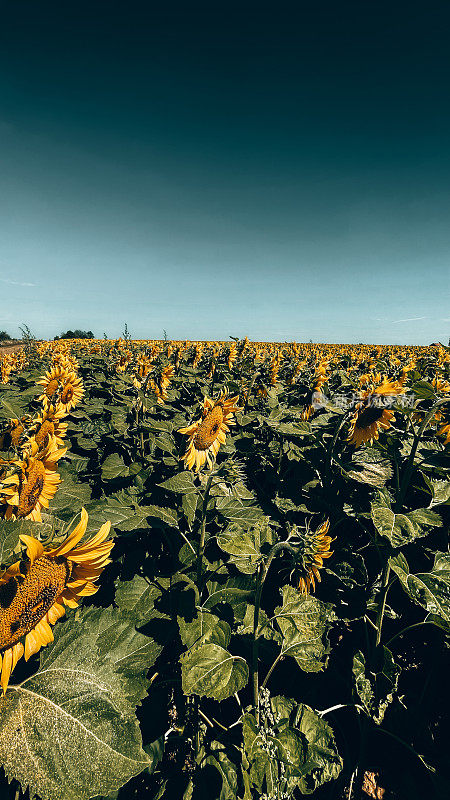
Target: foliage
<point>201,669</point>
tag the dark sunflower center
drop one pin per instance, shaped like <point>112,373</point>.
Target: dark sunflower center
<point>45,430</point>
<point>15,435</point>
<point>51,388</point>
<point>368,417</point>
<point>208,429</point>
<point>25,600</point>
<point>67,394</point>
<point>31,490</point>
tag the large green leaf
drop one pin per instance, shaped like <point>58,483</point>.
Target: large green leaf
<point>244,546</point>
<point>402,529</point>
<point>10,530</point>
<point>304,621</point>
<point>234,511</point>
<point>167,515</point>
<point>72,494</point>
<point>114,467</point>
<point>369,466</point>
<point>139,597</point>
<point>440,491</point>
<point>204,628</point>
<point>69,732</point>
<point>227,771</point>
<point>182,483</point>
<point>212,671</point>
<point>376,687</point>
<point>292,748</point>
<point>431,590</point>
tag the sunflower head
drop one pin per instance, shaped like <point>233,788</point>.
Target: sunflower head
<point>367,422</point>
<point>35,590</point>
<point>208,433</point>
<point>313,548</point>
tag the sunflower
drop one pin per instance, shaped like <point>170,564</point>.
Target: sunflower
<point>34,481</point>
<point>316,547</point>
<point>52,382</point>
<point>71,392</point>
<point>366,423</point>
<point>370,416</point>
<point>34,591</point>
<point>62,386</point>
<point>444,430</point>
<point>48,426</point>
<point>209,432</point>
<point>14,432</point>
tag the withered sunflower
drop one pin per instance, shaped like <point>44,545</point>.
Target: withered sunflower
<point>209,432</point>
<point>316,548</point>
<point>34,591</point>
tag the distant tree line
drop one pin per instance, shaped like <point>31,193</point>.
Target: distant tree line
<point>76,334</point>
<point>4,337</point>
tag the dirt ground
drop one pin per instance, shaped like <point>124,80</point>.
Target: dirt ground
<point>9,348</point>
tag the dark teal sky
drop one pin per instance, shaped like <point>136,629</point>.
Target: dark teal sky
<point>280,170</point>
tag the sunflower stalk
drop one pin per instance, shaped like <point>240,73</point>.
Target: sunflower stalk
<point>410,465</point>
<point>249,391</point>
<point>201,543</point>
<point>261,576</point>
<point>398,507</point>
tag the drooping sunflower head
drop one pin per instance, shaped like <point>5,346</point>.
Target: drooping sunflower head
<point>14,432</point>
<point>34,591</point>
<point>314,547</point>
<point>367,422</point>
<point>208,433</point>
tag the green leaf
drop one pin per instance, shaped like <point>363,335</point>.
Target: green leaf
<point>244,546</point>
<point>227,771</point>
<point>113,467</point>
<point>77,704</point>
<point>292,748</point>
<point>234,511</point>
<point>72,494</point>
<point>167,515</point>
<point>182,483</point>
<point>322,763</point>
<point>236,592</point>
<point>431,590</point>
<point>205,628</point>
<point>120,509</point>
<point>376,688</point>
<point>304,621</point>
<point>189,506</point>
<point>138,597</point>
<point>440,491</point>
<point>212,671</point>
<point>402,529</point>
<point>10,530</point>
<point>370,467</point>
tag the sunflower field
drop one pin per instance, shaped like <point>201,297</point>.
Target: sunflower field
<point>225,571</point>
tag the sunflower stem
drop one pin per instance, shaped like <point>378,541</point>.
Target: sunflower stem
<point>250,390</point>
<point>201,544</point>
<point>261,576</point>
<point>382,606</point>
<point>278,659</point>
<point>410,465</point>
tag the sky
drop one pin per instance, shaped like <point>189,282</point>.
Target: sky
<point>273,169</point>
